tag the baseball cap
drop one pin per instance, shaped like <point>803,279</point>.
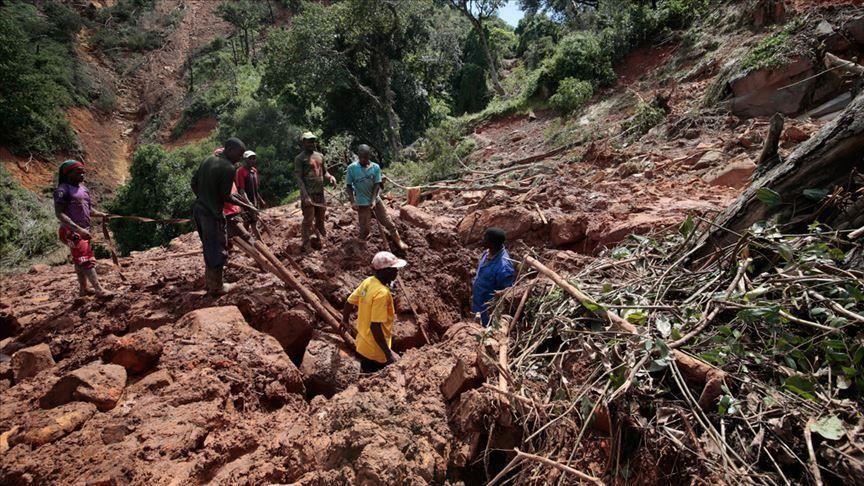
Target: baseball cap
<point>308,136</point>
<point>385,259</point>
<point>248,154</point>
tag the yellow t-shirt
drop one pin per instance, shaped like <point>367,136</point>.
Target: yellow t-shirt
<point>374,304</point>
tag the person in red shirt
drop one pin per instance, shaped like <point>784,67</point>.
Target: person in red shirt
<point>248,184</point>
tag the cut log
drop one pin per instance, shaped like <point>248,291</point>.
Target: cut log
<point>823,161</point>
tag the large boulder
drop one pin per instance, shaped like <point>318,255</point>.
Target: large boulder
<point>422,219</point>
<point>517,221</point>
<point>291,326</point>
<point>327,369</point>
<point>30,361</point>
<point>757,92</point>
<point>220,338</point>
<point>99,384</point>
<point>137,352</point>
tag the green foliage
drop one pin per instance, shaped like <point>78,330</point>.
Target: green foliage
<point>158,187</point>
<point>439,154</point>
<point>647,116</point>
<point>578,55</point>
<point>39,76</point>
<point>572,94</point>
<point>472,93</point>
<point>124,26</point>
<point>363,58</point>
<point>27,224</point>
<point>772,51</point>
<point>265,128</point>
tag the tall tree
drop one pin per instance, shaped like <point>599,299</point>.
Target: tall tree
<point>245,16</point>
<point>350,51</point>
<point>477,12</point>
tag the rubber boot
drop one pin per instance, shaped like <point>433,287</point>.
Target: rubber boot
<point>399,243</point>
<point>94,281</point>
<point>215,285</point>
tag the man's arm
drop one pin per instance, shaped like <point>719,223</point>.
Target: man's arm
<point>59,211</point>
<point>346,314</point>
<point>298,177</point>
<point>375,193</point>
<point>378,334</point>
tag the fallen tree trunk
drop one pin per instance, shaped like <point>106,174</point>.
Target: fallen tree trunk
<point>823,161</point>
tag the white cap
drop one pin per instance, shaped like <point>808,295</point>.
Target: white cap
<point>385,259</point>
<point>248,154</point>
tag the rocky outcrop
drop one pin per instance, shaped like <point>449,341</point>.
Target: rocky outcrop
<point>758,93</point>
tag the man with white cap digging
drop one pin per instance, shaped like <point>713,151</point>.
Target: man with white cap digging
<point>375,313</point>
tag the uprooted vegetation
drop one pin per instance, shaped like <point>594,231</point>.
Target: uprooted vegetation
<point>778,314</point>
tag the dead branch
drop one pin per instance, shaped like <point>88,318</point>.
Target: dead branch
<point>559,466</point>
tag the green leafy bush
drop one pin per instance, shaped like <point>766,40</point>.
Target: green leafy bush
<point>27,224</point>
<point>579,55</point>
<point>572,93</point>
<point>439,155</point>
<point>158,187</point>
<point>39,76</point>
<point>647,116</point>
<point>123,26</point>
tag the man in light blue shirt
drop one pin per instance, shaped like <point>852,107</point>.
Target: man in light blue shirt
<point>363,185</point>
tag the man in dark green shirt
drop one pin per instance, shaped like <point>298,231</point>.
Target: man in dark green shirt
<point>309,173</point>
<point>212,185</point>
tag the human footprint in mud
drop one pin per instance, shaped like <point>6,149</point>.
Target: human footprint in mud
<point>375,313</point>
<point>72,206</point>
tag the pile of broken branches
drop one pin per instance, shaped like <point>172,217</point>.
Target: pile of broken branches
<point>774,321</point>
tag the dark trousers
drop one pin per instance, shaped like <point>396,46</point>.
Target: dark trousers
<point>370,365</point>
<point>213,234</point>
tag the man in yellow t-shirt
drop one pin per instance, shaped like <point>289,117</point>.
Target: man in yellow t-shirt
<point>375,313</point>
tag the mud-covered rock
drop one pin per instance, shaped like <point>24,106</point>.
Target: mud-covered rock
<point>291,326</point>
<point>736,173</point>
<point>327,369</point>
<point>99,384</point>
<point>220,338</point>
<point>517,221</point>
<point>30,361</point>
<point>44,426</point>
<point>462,377</point>
<point>757,94</point>
<point>137,352</point>
<point>567,228</point>
<point>422,219</point>
<point>407,334</point>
